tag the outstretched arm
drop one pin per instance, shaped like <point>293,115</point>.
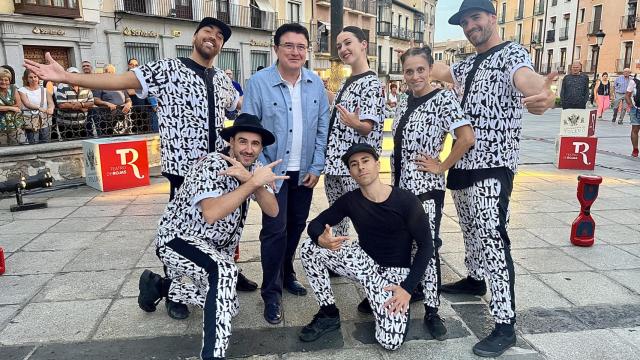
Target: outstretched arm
<point>55,72</point>
<point>536,89</point>
<point>441,72</point>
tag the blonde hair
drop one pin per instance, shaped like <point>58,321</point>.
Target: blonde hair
<point>110,67</point>
<point>4,73</point>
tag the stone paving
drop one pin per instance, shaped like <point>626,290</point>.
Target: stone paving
<point>72,270</point>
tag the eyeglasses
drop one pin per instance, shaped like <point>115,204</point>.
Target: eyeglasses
<point>290,47</point>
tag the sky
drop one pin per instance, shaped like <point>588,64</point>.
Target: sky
<point>444,31</point>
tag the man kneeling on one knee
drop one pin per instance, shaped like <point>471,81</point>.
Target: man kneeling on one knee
<point>388,220</point>
<point>201,227</point>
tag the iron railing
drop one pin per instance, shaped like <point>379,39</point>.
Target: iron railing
<point>628,22</point>
<point>58,8</point>
<point>234,15</point>
<point>396,68</point>
<point>399,32</point>
<point>365,6</point>
<point>384,28</point>
<point>594,27</point>
<point>564,34</point>
<point>33,127</point>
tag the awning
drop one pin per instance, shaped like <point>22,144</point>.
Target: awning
<point>264,5</point>
<point>326,25</point>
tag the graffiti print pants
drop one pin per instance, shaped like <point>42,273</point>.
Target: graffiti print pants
<point>353,263</point>
<point>213,288</point>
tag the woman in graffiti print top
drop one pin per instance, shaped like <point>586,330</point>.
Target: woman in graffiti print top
<point>356,115</point>
<point>419,129</point>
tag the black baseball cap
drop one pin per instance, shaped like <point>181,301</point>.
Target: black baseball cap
<point>209,21</point>
<point>250,123</point>
<point>484,5</point>
<point>358,148</point>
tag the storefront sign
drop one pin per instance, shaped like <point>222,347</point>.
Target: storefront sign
<point>139,32</point>
<point>176,33</point>
<point>47,31</point>
<point>259,43</point>
<point>116,163</point>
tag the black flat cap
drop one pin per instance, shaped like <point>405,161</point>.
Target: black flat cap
<point>209,21</point>
<point>358,148</point>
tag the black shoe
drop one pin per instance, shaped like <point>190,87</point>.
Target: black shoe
<point>365,307</point>
<point>150,286</point>
<point>435,326</point>
<point>295,287</point>
<point>273,313</point>
<point>467,285</point>
<point>245,284</point>
<point>320,325</point>
<point>501,338</point>
<point>176,310</point>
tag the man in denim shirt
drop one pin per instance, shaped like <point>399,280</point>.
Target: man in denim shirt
<point>291,102</point>
<point>620,87</point>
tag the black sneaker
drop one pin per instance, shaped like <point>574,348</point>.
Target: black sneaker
<point>320,325</point>
<point>467,285</point>
<point>365,307</point>
<point>176,310</point>
<point>150,286</point>
<point>501,338</point>
<point>435,326</point>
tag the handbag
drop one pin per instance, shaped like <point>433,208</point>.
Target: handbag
<point>35,115</point>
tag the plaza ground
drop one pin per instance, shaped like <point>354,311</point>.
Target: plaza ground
<point>72,272</point>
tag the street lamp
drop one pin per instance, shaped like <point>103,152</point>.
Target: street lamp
<point>599,39</point>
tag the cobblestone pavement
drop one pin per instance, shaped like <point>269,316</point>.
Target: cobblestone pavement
<point>72,269</point>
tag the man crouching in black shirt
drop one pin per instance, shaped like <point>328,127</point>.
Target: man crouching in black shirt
<point>387,220</point>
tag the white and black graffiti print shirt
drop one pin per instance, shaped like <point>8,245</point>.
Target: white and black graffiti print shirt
<point>494,107</point>
<point>419,128</point>
<point>183,216</point>
<point>183,111</point>
<point>364,92</point>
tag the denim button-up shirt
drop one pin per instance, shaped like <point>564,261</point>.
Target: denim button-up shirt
<point>267,96</point>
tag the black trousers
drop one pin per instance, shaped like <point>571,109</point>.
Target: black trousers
<point>280,236</point>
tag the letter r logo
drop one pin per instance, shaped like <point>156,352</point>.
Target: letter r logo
<point>581,148</point>
<point>123,160</point>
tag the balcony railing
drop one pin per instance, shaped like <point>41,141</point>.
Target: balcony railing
<point>628,22</point>
<point>383,68</point>
<point>399,32</point>
<point>418,36</point>
<point>234,15</point>
<point>396,68</point>
<point>518,14</point>
<point>538,8</point>
<point>501,18</point>
<point>384,28</point>
<point>622,64</point>
<point>551,36</point>
<point>365,6</point>
<point>57,8</point>
<point>536,38</point>
<point>323,44</point>
<point>594,27</point>
<point>564,34</point>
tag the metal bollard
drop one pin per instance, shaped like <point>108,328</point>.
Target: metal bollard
<point>583,227</point>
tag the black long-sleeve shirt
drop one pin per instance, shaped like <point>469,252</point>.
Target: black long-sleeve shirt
<point>385,230</point>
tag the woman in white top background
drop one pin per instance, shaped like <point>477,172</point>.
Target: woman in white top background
<point>37,109</point>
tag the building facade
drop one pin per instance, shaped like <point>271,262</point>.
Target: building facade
<point>70,33</point>
<point>618,20</point>
<point>556,51</point>
<point>360,13</point>
<point>452,51</point>
<point>402,24</point>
